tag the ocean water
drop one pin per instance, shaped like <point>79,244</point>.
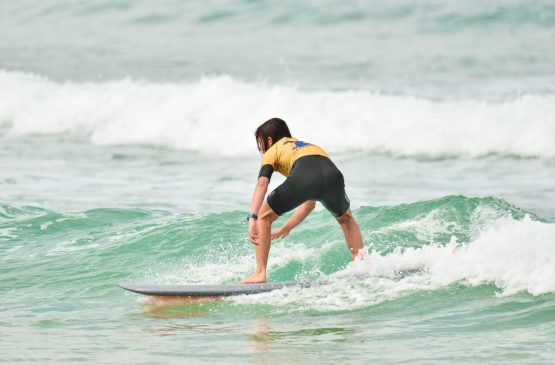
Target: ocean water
<point>127,155</point>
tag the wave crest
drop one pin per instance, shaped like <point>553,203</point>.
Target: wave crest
<point>218,115</point>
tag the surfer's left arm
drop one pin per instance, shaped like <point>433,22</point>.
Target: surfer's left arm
<point>300,214</point>
<point>257,198</point>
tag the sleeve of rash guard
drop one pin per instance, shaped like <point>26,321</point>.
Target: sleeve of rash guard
<point>268,163</point>
<point>266,170</point>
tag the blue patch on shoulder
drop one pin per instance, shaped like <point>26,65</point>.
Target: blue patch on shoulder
<point>301,144</point>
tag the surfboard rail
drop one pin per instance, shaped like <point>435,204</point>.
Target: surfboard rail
<point>204,290</point>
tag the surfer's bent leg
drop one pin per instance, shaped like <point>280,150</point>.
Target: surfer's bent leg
<point>351,232</point>
<point>266,216</point>
<point>334,198</point>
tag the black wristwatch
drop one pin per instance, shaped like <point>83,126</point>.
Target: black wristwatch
<point>252,215</point>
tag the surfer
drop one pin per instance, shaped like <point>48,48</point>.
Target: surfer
<point>311,176</point>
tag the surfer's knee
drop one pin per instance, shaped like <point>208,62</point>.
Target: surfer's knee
<point>266,215</point>
<point>346,218</point>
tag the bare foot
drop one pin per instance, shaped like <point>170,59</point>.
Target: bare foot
<point>256,278</point>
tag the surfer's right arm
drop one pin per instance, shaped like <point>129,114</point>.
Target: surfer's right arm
<point>257,198</point>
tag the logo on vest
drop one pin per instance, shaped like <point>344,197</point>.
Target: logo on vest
<point>298,144</point>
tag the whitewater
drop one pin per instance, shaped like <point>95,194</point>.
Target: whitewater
<point>185,116</point>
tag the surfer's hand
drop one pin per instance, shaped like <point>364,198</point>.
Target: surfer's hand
<point>253,231</point>
<point>281,232</point>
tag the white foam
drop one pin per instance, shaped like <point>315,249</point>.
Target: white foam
<point>45,225</point>
<point>425,227</point>
<point>515,256</point>
<point>230,267</point>
<point>7,233</point>
<point>70,245</point>
<point>219,114</point>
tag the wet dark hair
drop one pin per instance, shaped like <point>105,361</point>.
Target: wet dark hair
<point>274,128</point>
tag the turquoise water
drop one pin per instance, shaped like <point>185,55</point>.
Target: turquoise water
<point>126,155</point>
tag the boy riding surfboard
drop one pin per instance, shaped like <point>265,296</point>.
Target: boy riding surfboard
<point>311,176</point>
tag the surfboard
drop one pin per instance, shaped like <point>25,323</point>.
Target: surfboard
<point>210,290</point>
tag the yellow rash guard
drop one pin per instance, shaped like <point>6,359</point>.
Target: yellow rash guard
<point>283,154</point>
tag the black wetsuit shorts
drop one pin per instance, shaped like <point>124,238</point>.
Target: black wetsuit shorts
<point>312,178</point>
